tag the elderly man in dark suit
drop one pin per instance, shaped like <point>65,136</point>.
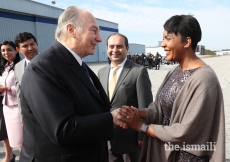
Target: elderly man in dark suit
<point>132,87</point>
<point>65,109</point>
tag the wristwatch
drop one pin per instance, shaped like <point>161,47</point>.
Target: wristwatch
<point>144,128</point>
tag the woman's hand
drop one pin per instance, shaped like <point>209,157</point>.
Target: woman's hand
<point>3,88</point>
<point>130,116</point>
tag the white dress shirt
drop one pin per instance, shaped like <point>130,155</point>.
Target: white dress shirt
<point>118,73</point>
<point>79,60</point>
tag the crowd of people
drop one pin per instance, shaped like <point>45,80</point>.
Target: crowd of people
<point>69,114</point>
<point>148,60</point>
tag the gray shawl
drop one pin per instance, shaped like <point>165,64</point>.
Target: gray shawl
<point>197,120</point>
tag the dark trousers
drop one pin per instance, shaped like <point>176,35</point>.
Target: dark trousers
<point>143,62</point>
<point>157,65</point>
<point>129,157</point>
<point>150,64</point>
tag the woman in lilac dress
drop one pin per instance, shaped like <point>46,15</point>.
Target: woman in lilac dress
<point>10,104</point>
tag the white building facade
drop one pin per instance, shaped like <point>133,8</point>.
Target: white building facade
<point>154,50</point>
<point>136,48</point>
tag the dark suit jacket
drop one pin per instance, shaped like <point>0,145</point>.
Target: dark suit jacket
<point>133,88</point>
<point>66,118</point>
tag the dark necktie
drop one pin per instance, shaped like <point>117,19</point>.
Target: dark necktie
<point>85,69</point>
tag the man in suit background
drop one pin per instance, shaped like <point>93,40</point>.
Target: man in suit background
<point>65,109</point>
<point>27,45</point>
<point>158,58</point>
<point>133,87</point>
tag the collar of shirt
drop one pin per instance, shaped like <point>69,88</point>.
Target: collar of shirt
<point>121,64</point>
<point>79,60</point>
<point>27,61</point>
<point>8,65</point>
<point>118,71</point>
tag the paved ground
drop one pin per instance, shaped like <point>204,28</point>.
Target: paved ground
<point>221,66</point>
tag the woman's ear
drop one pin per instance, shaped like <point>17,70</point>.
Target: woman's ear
<point>188,42</point>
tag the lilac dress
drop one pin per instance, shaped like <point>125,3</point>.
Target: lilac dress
<point>167,97</point>
<point>10,109</point>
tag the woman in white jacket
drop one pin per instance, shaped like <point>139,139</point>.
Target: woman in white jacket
<point>9,57</point>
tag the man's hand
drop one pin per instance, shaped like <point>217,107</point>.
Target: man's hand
<point>116,119</point>
<point>130,116</point>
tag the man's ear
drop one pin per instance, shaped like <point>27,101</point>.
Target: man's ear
<point>127,48</point>
<point>70,29</point>
<point>17,49</point>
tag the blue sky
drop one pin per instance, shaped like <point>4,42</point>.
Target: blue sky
<point>142,20</point>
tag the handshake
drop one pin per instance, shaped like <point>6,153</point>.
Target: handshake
<point>127,117</point>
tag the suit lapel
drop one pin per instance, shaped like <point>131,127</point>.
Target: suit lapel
<point>75,67</point>
<point>105,79</point>
<point>125,71</point>
<point>79,72</point>
<point>100,89</point>
<point>21,70</point>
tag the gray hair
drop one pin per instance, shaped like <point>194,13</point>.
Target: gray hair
<point>72,15</point>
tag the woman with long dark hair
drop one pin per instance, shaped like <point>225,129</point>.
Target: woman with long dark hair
<point>9,57</point>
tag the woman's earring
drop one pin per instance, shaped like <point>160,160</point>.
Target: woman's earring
<point>185,46</point>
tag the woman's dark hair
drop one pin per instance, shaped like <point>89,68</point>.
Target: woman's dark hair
<point>3,61</point>
<point>187,26</point>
